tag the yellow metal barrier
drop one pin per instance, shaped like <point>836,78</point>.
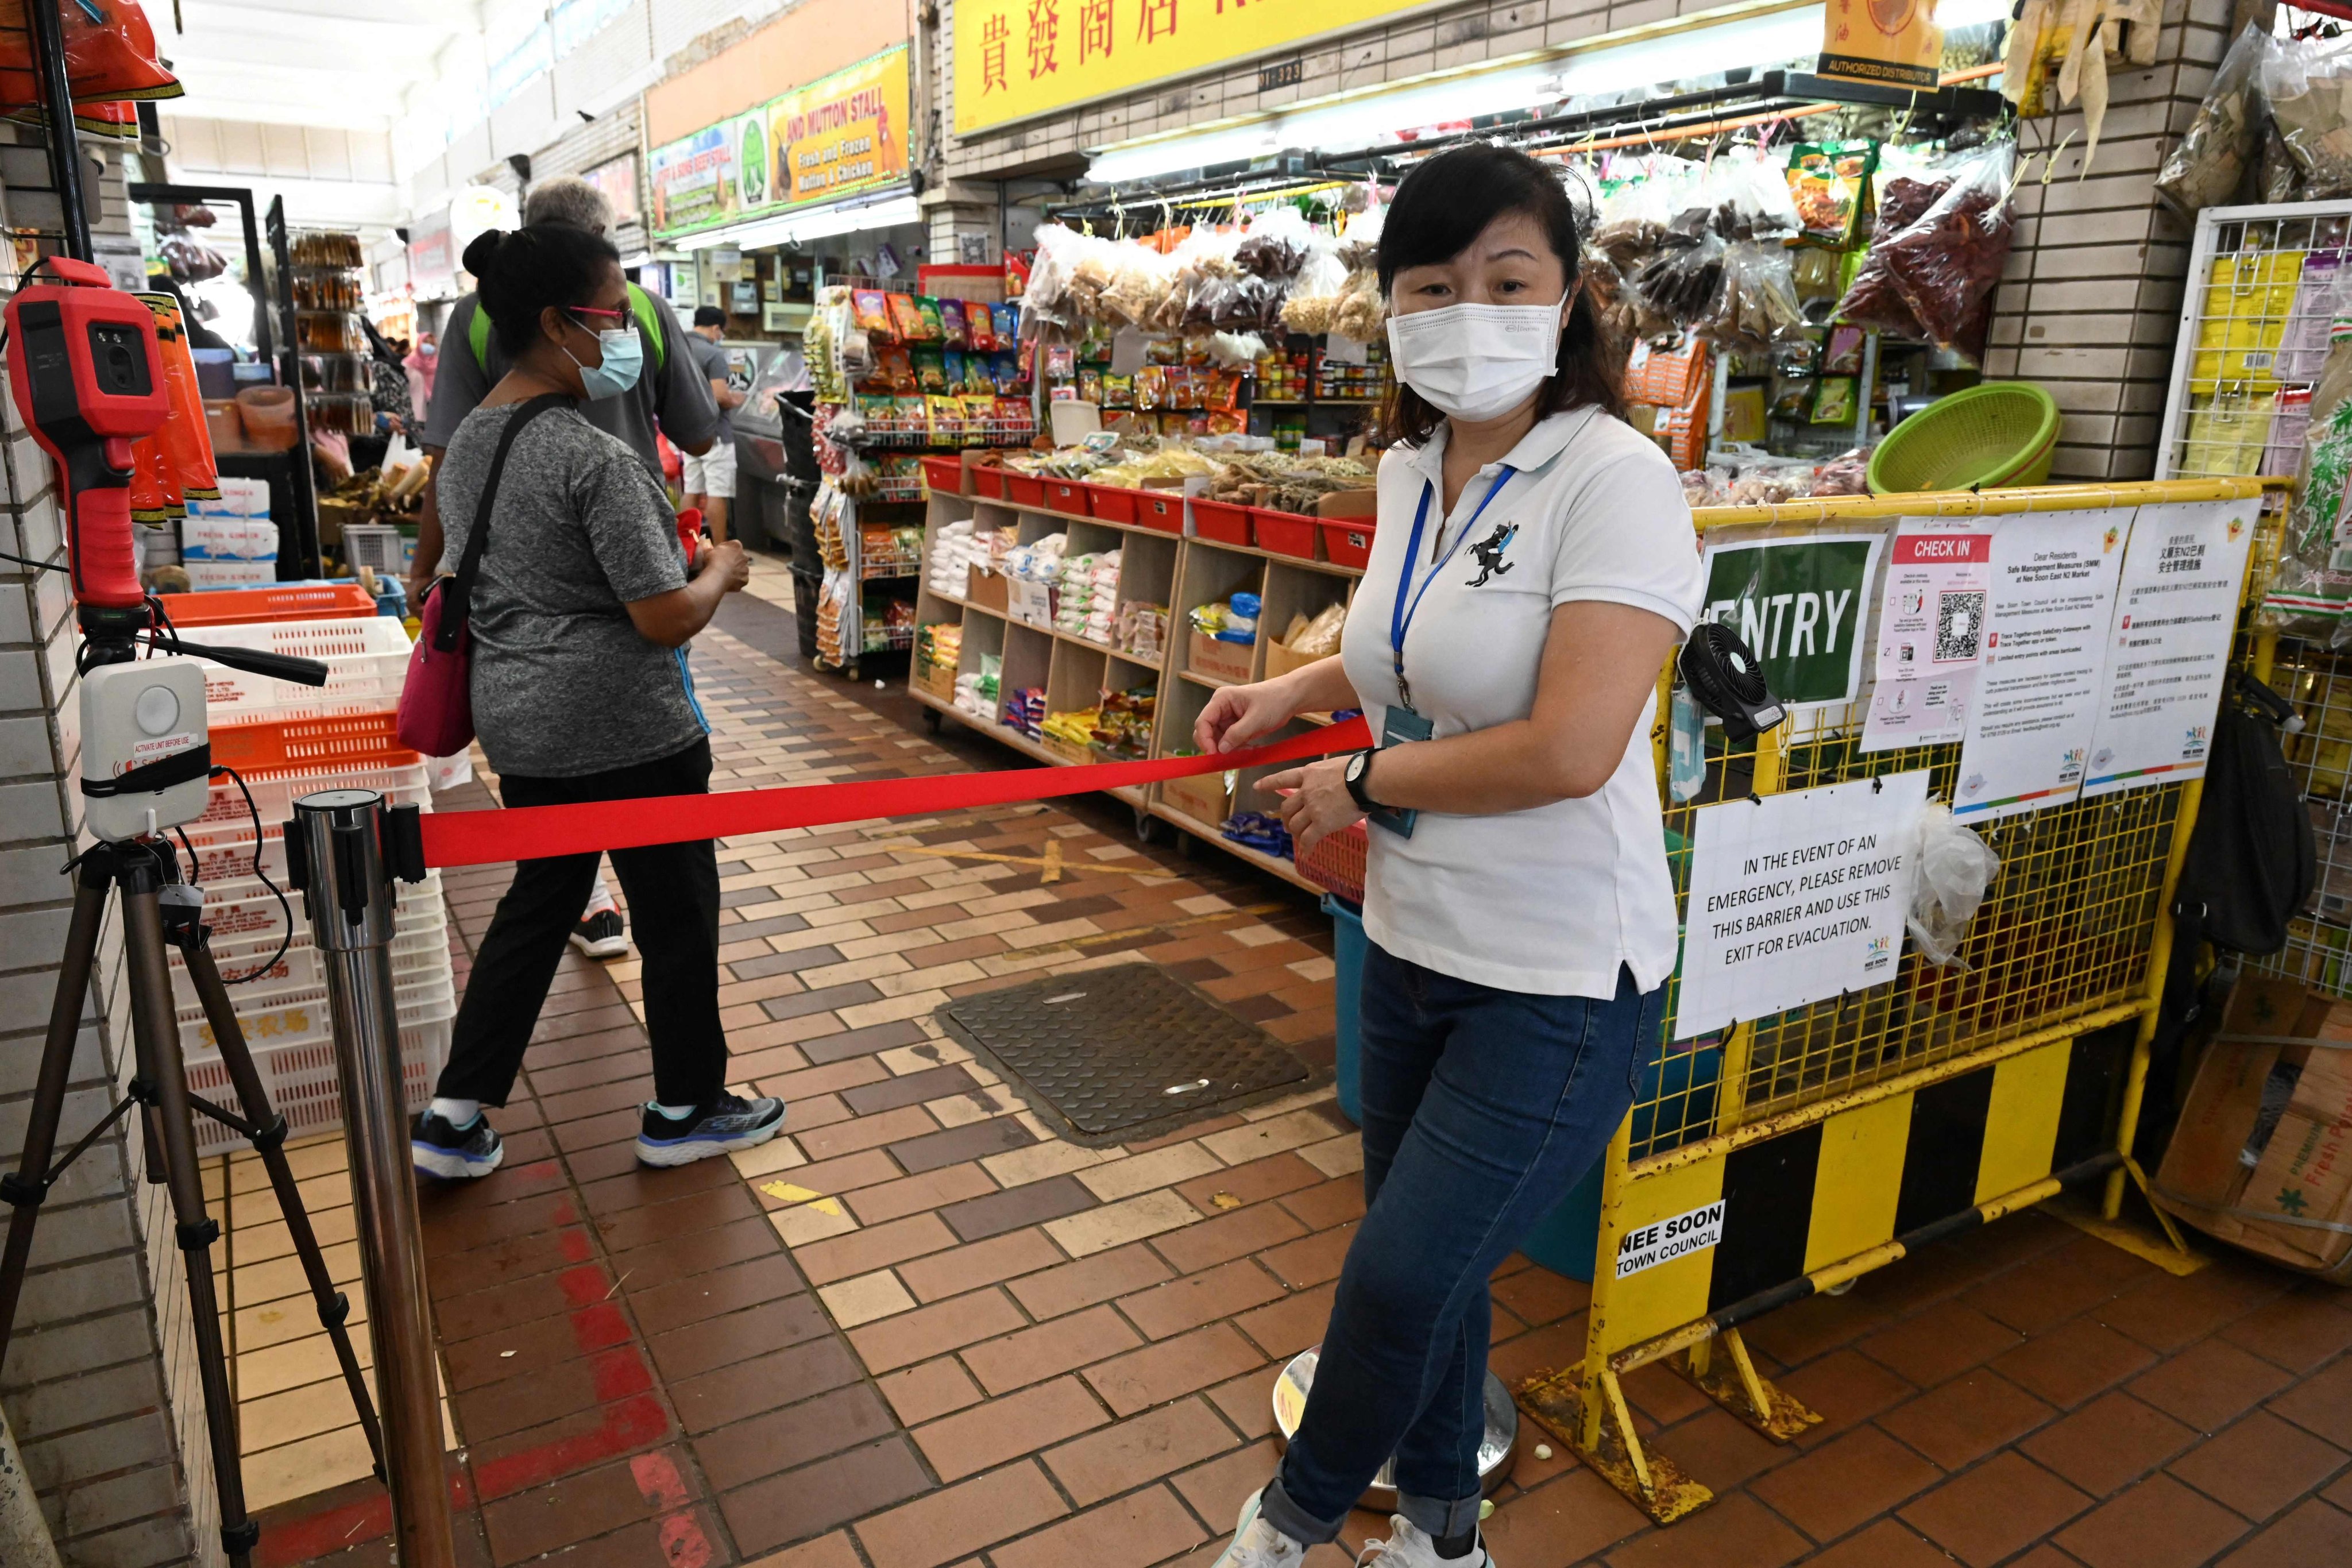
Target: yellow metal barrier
<point>1840,1135</point>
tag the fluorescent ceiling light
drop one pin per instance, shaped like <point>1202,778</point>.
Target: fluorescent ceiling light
<point>818,223</point>
<point>1370,118</point>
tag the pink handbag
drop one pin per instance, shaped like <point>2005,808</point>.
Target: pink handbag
<point>437,700</point>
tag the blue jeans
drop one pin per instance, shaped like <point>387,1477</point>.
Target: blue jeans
<point>1482,1107</point>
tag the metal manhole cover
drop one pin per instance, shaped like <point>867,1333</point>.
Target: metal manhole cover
<point>1110,1050</point>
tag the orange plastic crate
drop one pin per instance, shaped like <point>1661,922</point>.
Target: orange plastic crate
<point>286,601</point>
<point>343,741</point>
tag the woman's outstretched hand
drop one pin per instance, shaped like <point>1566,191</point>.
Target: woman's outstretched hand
<point>1236,715</point>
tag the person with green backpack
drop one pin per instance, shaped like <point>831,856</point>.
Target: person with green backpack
<point>670,396</point>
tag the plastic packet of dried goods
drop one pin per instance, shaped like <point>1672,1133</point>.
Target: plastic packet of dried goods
<point>1750,197</point>
<point>1945,264</point>
<point>1139,284</point>
<point>1276,245</point>
<point>1633,213</point>
<point>2204,170</point>
<point>1847,474</point>
<point>1359,244</point>
<point>1757,308</point>
<point>1680,285</point>
<point>1047,299</point>
<point>2308,87</point>
<point>1907,188</point>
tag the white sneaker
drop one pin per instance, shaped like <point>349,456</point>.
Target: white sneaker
<point>1411,1547</point>
<point>1257,1544</point>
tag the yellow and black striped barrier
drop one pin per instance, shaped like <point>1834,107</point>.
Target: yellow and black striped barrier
<point>1791,1155</point>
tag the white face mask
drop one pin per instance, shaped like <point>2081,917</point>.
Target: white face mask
<point>1475,361</point>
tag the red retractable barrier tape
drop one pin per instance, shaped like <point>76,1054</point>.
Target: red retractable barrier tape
<point>531,833</point>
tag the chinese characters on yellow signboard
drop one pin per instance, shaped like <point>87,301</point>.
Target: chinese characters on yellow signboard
<point>1018,59</point>
<point>840,134</point>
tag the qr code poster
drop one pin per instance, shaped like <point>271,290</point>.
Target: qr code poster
<point>1959,625</point>
<point>1931,631</point>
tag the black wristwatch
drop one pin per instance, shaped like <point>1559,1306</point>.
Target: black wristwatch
<point>1359,777</point>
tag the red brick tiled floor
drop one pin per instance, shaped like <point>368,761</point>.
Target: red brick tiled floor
<point>919,1332</point>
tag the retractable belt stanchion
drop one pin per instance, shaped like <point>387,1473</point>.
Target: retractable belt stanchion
<point>343,849</point>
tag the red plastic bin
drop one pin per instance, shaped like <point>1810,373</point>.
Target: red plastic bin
<point>1112,503</point>
<point>1162,510</point>
<point>1284,532</point>
<point>1221,521</point>
<point>1335,865</point>
<point>284,601</point>
<point>1067,496</point>
<point>988,480</point>
<point>1347,540</point>
<point>1024,490</point>
<point>944,476</point>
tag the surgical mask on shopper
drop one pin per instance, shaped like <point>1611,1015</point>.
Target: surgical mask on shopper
<point>1475,361</point>
<point>625,359</point>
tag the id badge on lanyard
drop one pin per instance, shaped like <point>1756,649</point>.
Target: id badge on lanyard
<point>1401,722</point>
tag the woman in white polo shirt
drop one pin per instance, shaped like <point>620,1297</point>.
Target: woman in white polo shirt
<point>1534,565</point>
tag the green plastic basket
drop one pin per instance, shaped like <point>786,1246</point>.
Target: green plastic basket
<point>1998,434</point>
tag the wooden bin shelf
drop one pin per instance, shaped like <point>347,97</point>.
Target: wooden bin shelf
<point>1179,571</point>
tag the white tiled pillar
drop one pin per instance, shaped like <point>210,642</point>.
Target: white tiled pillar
<point>100,1386</point>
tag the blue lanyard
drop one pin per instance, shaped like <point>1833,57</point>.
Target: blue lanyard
<point>1408,600</point>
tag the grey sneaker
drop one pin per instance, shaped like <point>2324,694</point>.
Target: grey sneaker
<point>1257,1544</point>
<point>1411,1547</point>
<point>727,1123</point>
<point>454,1153</point>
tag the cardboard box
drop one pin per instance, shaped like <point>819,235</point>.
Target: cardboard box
<point>1364,503</point>
<point>1219,660</point>
<point>1029,602</point>
<point>205,574</point>
<point>2261,1157</point>
<point>1204,797</point>
<point>984,588</point>
<point>1281,660</point>
<point>239,538</point>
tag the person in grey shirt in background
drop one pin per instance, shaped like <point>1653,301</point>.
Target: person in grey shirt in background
<point>582,605</point>
<point>710,477</point>
<point>671,396</point>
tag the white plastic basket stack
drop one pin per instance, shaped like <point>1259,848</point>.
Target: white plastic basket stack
<point>284,1012</point>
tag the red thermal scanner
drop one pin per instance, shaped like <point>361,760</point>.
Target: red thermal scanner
<point>88,380</point>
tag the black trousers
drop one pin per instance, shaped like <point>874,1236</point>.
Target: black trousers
<point>673,893</point>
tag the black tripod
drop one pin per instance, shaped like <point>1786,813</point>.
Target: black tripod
<point>157,908</point>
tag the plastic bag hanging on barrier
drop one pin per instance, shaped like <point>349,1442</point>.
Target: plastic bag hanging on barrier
<point>1955,868</point>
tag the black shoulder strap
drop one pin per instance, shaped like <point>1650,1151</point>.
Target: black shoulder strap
<point>458,602</point>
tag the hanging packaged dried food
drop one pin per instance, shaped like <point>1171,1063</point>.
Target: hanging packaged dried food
<point>2308,86</point>
<point>1904,197</point>
<point>1946,264</point>
<point>1826,180</point>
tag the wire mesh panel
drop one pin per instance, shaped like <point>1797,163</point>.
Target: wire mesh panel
<point>2318,681</point>
<point>2264,283</point>
<point>2064,930</point>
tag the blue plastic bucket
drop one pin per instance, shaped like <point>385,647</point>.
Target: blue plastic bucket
<point>1348,945</point>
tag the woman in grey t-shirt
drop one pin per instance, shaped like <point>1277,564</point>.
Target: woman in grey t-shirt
<point>582,605</point>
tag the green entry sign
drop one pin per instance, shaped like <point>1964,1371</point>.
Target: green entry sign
<point>1802,604</point>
